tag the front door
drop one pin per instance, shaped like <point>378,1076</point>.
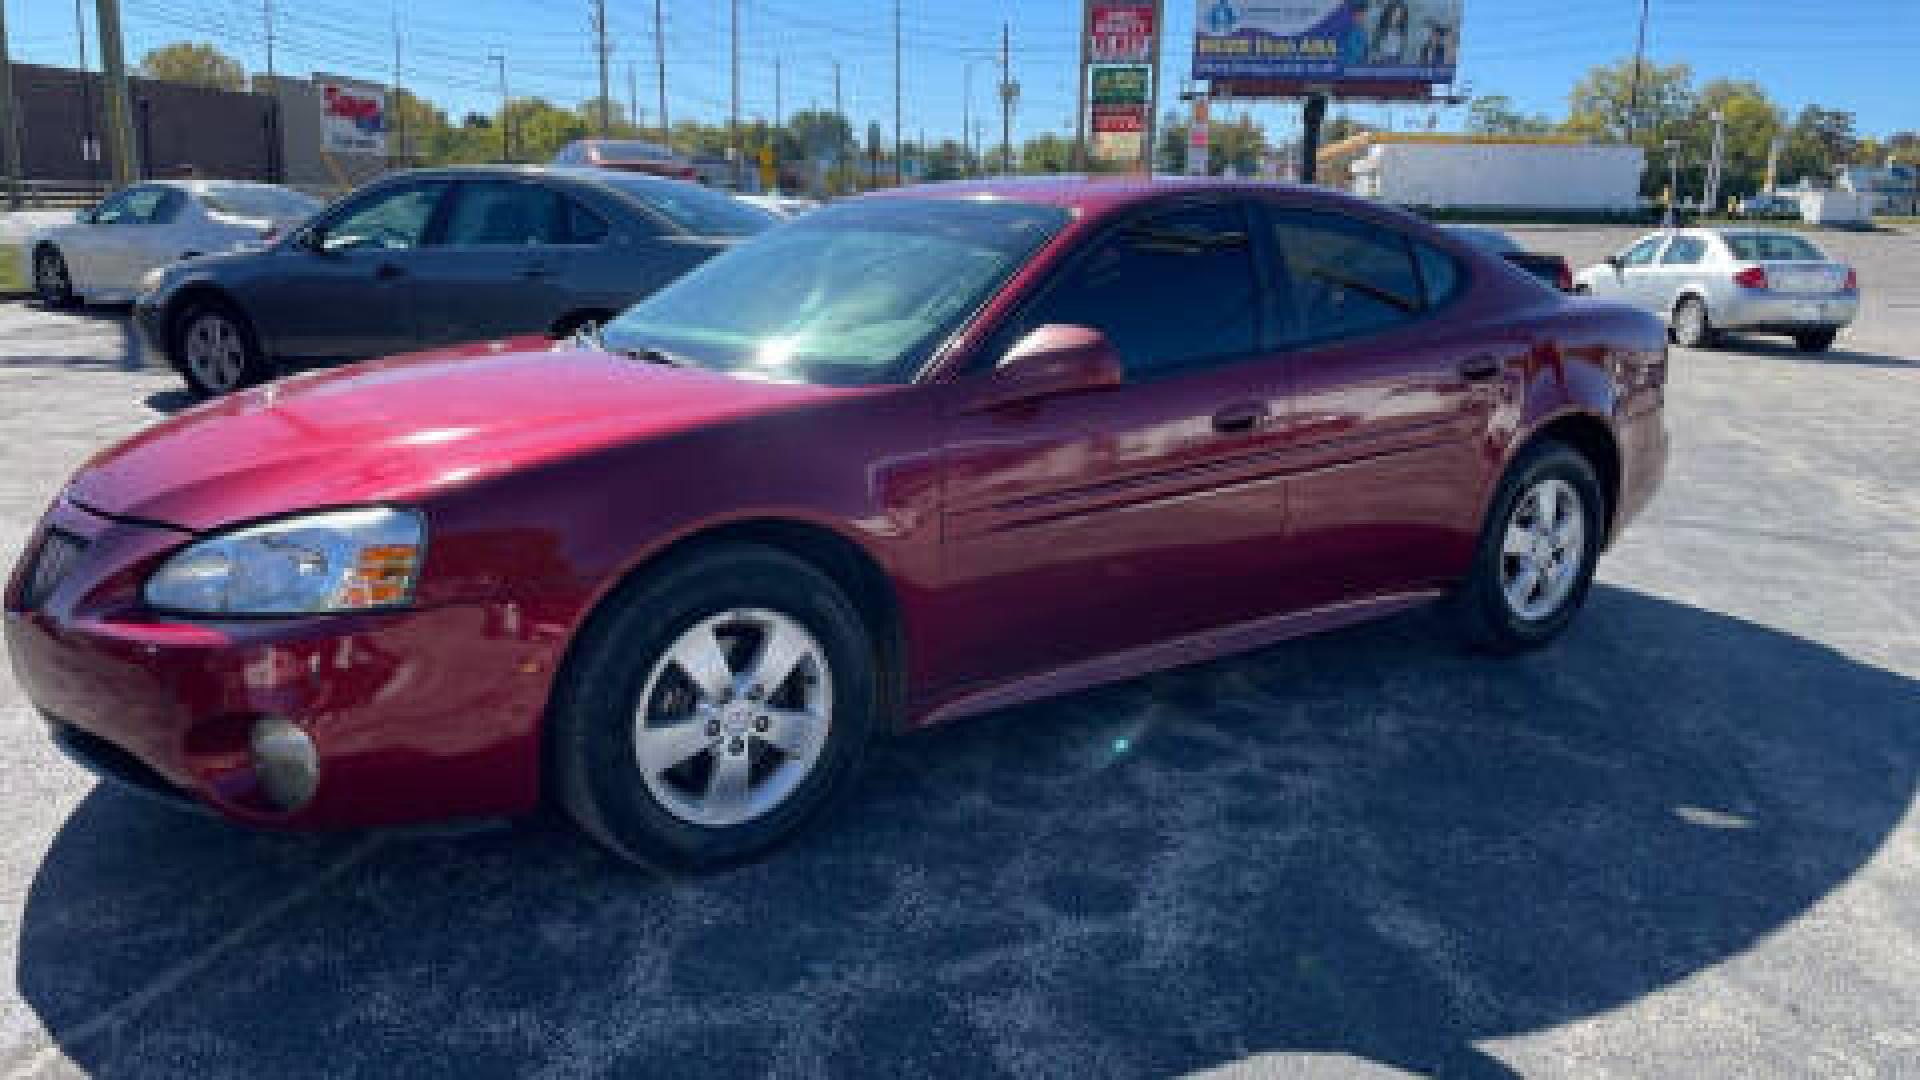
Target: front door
<point>1629,281</point>
<point>1390,410</point>
<point>1082,525</point>
<point>349,293</point>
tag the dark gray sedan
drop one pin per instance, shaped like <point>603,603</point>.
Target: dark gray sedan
<point>436,257</point>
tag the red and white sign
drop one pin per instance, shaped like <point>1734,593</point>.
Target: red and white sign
<point>353,116</point>
<point>1120,31</point>
<point>1119,118</point>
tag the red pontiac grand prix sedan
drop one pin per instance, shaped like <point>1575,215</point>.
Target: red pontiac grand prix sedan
<point>914,456</point>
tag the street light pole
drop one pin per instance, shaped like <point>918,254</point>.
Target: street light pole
<point>506,129</point>
<point>1673,181</point>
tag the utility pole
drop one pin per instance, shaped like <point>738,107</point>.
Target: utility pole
<point>899,175</point>
<point>1711,197</point>
<point>9,118</point>
<point>266,16</point>
<point>1310,121</point>
<point>113,64</point>
<point>1639,61</point>
<point>89,139</point>
<point>398,154</point>
<point>1080,107</point>
<point>506,126</point>
<point>600,46</point>
<point>1009,97</point>
<point>840,118</point>
<point>733,108</point>
<point>660,69</point>
<point>1151,129</point>
<point>273,97</point>
<point>633,97</point>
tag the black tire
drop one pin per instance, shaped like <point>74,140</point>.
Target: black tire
<point>213,380</point>
<point>1693,324</point>
<point>1815,340</point>
<point>52,282</point>
<point>1485,616</point>
<point>591,737</point>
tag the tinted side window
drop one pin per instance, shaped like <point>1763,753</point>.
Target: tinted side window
<point>1641,254</point>
<point>1438,273</point>
<point>1344,277</point>
<point>144,206</point>
<point>1171,290</point>
<point>393,218</point>
<point>112,210</point>
<point>1684,251</point>
<point>495,214</point>
<point>581,225</point>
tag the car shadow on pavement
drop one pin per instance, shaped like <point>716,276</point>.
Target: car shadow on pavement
<point>114,346</point>
<point>1838,356</point>
<point>1367,843</point>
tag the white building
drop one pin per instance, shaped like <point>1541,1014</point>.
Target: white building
<point>1489,171</point>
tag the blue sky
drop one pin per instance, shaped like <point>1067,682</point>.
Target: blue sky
<point>1861,55</point>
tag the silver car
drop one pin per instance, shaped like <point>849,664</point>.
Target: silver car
<point>1704,281</point>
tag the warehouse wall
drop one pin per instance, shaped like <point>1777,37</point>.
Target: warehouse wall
<point>1543,176</point>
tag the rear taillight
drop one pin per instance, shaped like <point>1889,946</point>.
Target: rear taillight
<point>1853,281</point>
<point>1753,277</point>
<point>1564,278</point>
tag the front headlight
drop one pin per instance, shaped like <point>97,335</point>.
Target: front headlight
<point>338,560</point>
<point>150,280</point>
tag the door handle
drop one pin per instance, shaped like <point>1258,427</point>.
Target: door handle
<point>1483,366</point>
<point>388,271</point>
<point>1241,418</point>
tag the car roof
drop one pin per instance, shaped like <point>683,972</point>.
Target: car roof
<point>1099,193</point>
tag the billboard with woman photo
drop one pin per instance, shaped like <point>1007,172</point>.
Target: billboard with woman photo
<point>1334,40</point>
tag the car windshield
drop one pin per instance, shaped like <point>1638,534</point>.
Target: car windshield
<point>690,206</point>
<point>251,201</point>
<point>850,295</point>
<point>1772,247</point>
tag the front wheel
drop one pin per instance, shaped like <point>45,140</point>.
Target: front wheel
<point>1693,326</point>
<point>1537,552</point>
<point>1815,340</point>
<point>713,708</point>
<point>215,350</point>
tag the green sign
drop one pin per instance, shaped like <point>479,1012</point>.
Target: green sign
<point>1120,85</point>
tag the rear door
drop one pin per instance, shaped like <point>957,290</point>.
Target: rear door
<point>1386,429</point>
<point>499,266</point>
<point>1680,266</point>
<point>1083,525</point>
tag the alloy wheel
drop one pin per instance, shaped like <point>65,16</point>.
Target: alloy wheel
<point>1543,548</point>
<point>216,353</point>
<point>733,717</point>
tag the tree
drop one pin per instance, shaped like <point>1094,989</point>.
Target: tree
<point>1494,114</point>
<point>620,124</point>
<point>1046,154</point>
<point>1751,121</point>
<point>194,63</point>
<point>1602,104</point>
<point>1819,140</point>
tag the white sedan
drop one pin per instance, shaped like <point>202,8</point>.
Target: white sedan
<point>102,255</point>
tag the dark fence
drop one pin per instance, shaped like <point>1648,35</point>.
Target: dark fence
<point>179,129</point>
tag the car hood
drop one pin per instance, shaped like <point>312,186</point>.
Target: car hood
<point>400,429</point>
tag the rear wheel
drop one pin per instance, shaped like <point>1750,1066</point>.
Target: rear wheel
<point>1537,552</point>
<point>215,351</point>
<point>1815,340</point>
<point>713,708</point>
<point>1692,326</point>
<point>51,281</point>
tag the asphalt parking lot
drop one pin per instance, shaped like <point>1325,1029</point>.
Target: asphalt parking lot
<point>1683,842</point>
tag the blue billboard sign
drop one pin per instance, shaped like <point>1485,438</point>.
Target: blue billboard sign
<point>1327,40</point>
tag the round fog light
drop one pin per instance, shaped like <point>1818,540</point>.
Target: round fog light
<point>285,760</point>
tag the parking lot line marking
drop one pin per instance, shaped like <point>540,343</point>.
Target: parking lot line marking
<point>171,979</point>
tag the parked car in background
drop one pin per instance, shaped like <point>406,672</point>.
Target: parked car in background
<point>1550,268</point>
<point>434,257</point>
<point>1765,206</point>
<point>785,207</point>
<point>911,457</point>
<point>1704,281</point>
<point>102,255</point>
<point>627,155</point>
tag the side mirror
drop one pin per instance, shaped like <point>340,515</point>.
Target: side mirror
<point>1618,262</point>
<point>1050,361</point>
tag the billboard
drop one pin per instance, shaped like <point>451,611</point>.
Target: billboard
<point>353,116</point>
<point>1327,40</point>
<point>1120,31</point>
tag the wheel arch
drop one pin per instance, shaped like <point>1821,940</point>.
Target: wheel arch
<point>1593,439</point>
<point>841,558</point>
<point>194,294</point>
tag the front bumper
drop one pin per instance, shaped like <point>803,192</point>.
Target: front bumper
<point>1754,309</point>
<point>419,715</point>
